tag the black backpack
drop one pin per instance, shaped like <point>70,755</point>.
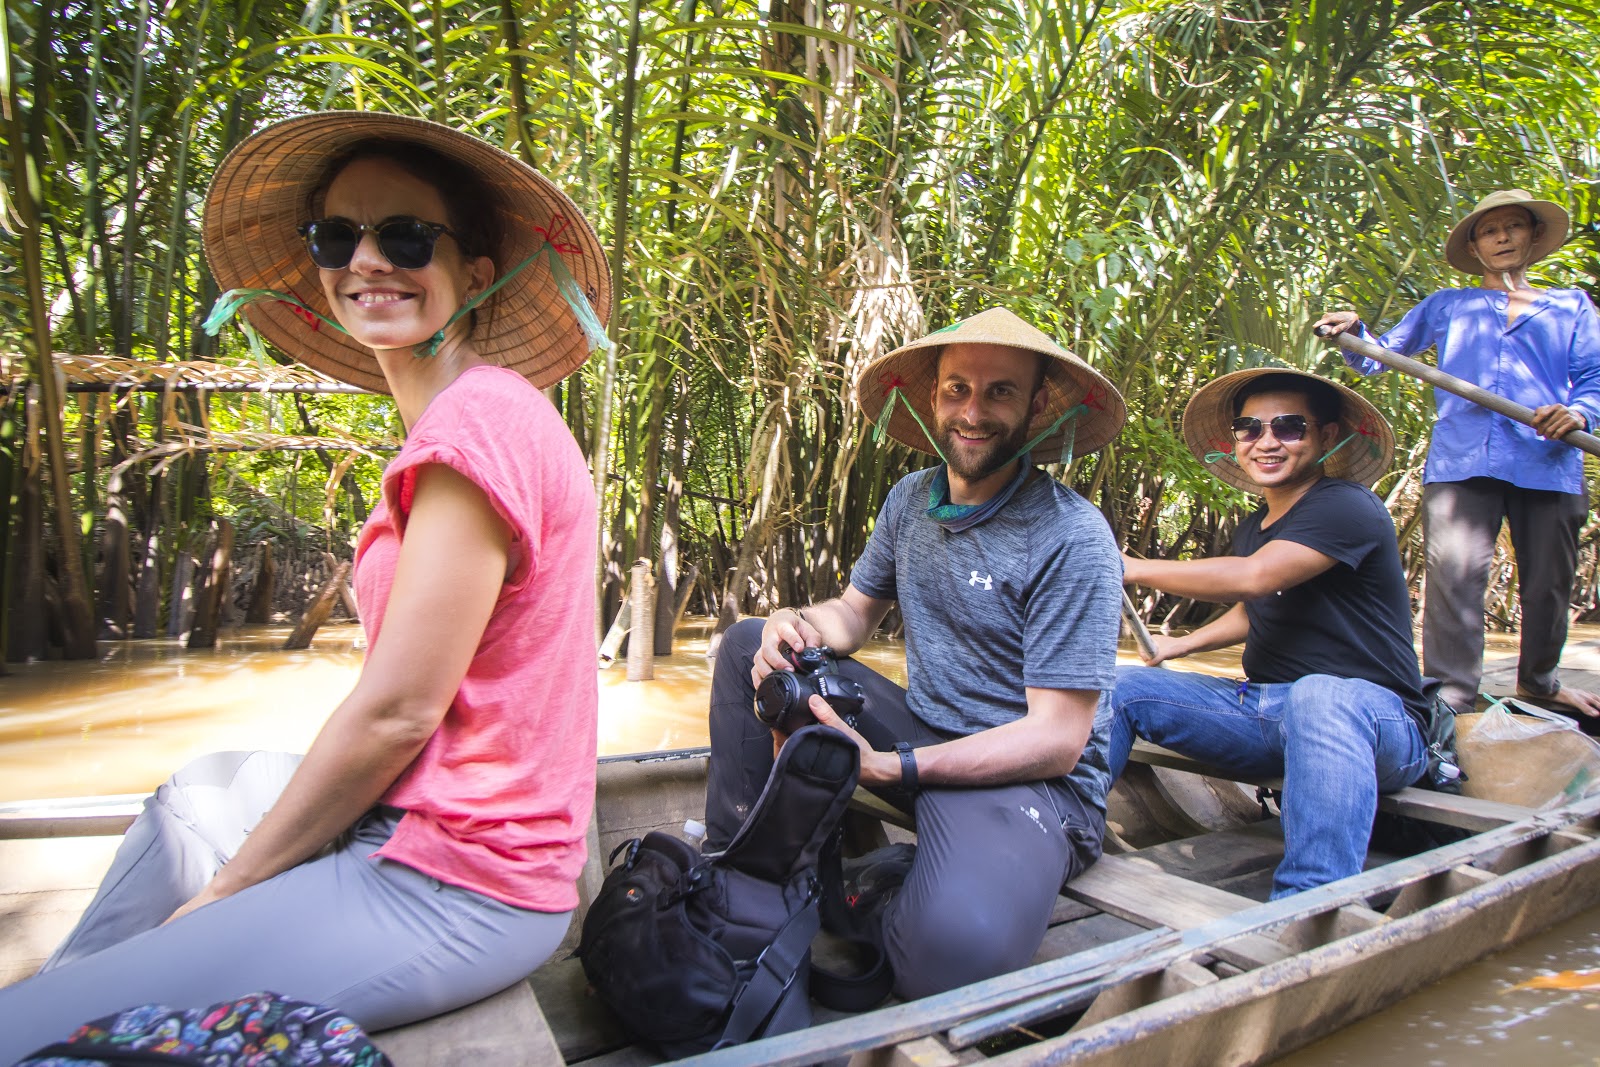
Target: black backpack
<point>693,951</point>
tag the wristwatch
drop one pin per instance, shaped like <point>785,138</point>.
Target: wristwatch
<point>908,766</point>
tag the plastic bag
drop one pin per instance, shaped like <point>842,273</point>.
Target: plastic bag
<point>1536,758</point>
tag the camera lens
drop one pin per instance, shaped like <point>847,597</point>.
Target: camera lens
<point>778,692</point>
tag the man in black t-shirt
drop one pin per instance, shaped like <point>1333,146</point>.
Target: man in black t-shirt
<point>1333,699</point>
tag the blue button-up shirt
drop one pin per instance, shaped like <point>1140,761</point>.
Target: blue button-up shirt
<point>1550,355</point>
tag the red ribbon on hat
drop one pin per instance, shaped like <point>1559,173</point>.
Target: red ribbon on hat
<point>301,310</point>
<point>1370,432</point>
<point>1095,398</point>
<point>558,224</point>
<point>890,382</point>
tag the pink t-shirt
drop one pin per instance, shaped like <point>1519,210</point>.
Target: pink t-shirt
<point>499,799</point>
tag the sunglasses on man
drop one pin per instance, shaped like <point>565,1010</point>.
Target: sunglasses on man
<point>406,242</point>
<point>1286,428</point>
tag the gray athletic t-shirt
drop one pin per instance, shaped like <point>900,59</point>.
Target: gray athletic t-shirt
<point>1030,597</point>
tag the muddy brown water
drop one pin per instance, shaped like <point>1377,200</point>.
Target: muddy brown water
<point>123,723</point>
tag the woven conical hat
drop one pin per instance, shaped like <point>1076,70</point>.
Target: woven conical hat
<point>1556,225</point>
<point>1208,430</point>
<point>262,193</point>
<point>1069,381</point>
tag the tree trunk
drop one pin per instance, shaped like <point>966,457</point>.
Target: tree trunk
<point>260,608</point>
<point>26,187</point>
<point>29,635</point>
<point>208,612</point>
<point>319,610</point>
<point>641,643</point>
<point>115,576</point>
<point>668,603</point>
<point>181,601</point>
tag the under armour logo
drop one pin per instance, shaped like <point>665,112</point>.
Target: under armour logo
<point>987,580</point>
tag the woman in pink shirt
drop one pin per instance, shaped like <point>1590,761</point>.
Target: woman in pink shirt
<point>424,853</point>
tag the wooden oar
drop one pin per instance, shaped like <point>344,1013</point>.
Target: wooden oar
<point>1141,634</point>
<point>1588,442</point>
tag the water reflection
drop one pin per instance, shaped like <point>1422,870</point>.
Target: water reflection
<point>1475,1019</point>
<point>123,724</point>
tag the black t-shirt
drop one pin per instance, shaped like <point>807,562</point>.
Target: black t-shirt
<point>1351,621</point>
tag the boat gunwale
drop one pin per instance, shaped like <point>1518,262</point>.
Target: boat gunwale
<point>962,1005</point>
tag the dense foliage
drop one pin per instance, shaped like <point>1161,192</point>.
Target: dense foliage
<point>1173,187</point>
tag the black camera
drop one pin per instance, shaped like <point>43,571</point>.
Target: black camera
<point>783,697</point>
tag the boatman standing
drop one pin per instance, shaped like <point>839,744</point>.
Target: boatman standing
<point>1010,588</point>
<point>1540,348</point>
<point>1332,700</point>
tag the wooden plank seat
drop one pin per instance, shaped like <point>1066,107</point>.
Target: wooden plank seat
<point>1463,812</point>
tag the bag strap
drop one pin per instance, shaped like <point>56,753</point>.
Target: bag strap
<point>833,989</point>
<point>775,972</point>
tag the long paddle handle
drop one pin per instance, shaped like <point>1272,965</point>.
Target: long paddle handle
<point>1141,634</point>
<point>1588,442</point>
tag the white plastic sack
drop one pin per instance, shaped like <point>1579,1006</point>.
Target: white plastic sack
<point>1537,759</point>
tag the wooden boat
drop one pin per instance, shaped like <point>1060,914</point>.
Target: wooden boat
<point>1163,952</point>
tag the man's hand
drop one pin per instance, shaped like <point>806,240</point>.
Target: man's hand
<point>1336,322</point>
<point>877,768</point>
<point>1166,648</point>
<point>1555,421</point>
<point>786,626</point>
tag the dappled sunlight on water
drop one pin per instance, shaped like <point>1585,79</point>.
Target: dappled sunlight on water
<point>1476,1019</point>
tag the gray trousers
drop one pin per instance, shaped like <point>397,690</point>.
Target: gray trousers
<point>384,943</point>
<point>1461,521</point>
<point>990,862</point>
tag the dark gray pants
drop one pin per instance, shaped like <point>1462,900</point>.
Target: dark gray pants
<point>1461,521</point>
<point>990,861</point>
<point>384,943</point>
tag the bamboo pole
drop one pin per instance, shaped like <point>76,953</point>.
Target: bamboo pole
<point>1136,626</point>
<point>1579,439</point>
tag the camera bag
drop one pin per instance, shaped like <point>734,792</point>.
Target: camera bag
<point>693,951</point>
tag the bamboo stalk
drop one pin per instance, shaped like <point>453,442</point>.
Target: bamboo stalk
<point>1579,439</point>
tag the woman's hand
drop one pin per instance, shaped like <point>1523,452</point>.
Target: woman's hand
<point>209,895</point>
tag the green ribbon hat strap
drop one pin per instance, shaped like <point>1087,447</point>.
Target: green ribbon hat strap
<point>230,303</point>
<point>881,427</point>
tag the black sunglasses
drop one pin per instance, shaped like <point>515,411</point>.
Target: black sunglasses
<point>1286,428</point>
<point>405,242</point>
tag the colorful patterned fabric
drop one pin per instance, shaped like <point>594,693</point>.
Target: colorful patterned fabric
<point>256,1030</point>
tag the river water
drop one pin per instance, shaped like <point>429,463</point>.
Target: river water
<point>122,724</point>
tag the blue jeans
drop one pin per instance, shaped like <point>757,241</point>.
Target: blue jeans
<point>1336,742</point>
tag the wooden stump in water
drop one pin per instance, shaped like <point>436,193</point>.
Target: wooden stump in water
<point>260,609</point>
<point>209,608</point>
<point>321,605</point>
<point>619,629</point>
<point>642,642</point>
<point>182,600</point>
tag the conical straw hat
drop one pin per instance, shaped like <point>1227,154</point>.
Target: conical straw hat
<point>1208,430</point>
<point>1553,215</point>
<point>1069,382</point>
<point>262,193</point>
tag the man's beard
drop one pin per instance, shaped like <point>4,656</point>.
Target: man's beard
<point>975,464</point>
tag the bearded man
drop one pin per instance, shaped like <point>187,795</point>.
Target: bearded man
<point>1009,586</point>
